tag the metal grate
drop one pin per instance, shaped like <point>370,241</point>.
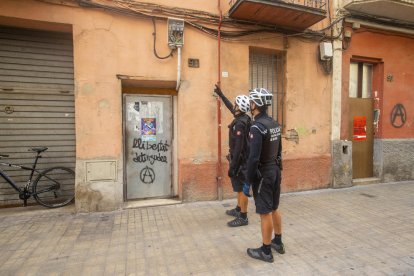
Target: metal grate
<point>266,70</point>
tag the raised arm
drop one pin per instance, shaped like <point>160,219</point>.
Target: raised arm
<point>226,101</point>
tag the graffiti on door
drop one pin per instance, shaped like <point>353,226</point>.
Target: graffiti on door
<point>147,175</point>
<point>155,152</point>
<point>148,140</point>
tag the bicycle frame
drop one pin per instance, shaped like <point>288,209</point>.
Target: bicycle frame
<point>13,183</point>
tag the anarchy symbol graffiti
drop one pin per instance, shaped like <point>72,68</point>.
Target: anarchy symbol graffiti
<point>147,175</point>
<point>398,116</point>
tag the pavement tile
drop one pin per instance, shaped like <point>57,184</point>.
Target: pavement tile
<point>326,232</point>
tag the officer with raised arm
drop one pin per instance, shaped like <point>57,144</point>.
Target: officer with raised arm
<point>238,151</point>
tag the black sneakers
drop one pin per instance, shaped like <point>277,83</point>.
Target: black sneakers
<point>257,253</point>
<point>280,248</point>
<point>239,221</point>
<point>233,212</point>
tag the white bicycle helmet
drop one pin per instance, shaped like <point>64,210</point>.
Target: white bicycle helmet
<point>260,97</point>
<point>243,103</point>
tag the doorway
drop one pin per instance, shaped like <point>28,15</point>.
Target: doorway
<point>361,118</point>
<point>148,146</point>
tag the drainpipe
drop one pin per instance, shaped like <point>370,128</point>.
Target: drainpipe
<point>219,165</point>
<point>178,68</point>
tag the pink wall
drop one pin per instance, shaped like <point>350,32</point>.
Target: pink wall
<point>396,54</point>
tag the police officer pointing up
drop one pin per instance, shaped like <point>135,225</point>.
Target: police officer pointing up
<point>238,149</point>
<point>264,174</point>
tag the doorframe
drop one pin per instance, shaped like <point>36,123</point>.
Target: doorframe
<point>153,92</point>
<point>377,85</point>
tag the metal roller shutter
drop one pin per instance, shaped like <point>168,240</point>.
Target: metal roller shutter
<point>36,102</point>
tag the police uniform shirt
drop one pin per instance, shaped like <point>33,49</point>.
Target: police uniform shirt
<point>265,145</point>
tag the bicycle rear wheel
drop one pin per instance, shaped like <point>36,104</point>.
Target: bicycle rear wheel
<point>54,187</point>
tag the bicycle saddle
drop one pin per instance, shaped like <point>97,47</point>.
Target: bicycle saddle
<point>39,150</point>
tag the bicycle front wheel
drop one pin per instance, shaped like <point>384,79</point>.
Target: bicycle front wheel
<point>54,187</point>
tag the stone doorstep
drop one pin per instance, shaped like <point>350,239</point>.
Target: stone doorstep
<point>365,181</point>
<point>150,203</point>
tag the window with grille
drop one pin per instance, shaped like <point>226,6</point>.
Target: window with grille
<point>266,70</point>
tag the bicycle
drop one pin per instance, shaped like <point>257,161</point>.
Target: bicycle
<point>52,188</point>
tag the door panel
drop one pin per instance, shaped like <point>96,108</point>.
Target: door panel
<point>362,136</point>
<point>148,138</point>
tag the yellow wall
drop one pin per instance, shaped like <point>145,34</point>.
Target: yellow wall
<point>108,44</point>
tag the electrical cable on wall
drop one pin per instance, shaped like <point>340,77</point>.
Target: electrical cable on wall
<point>155,39</point>
<point>200,20</point>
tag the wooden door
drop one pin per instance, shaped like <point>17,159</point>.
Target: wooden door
<point>362,136</point>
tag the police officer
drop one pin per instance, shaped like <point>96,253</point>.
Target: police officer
<point>238,148</point>
<point>264,174</point>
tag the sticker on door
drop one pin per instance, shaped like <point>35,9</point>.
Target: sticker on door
<point>360,128</point>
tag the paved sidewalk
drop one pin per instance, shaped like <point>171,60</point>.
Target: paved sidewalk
<point>365,230</point>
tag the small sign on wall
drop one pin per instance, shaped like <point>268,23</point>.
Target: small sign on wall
<point>360,128</point>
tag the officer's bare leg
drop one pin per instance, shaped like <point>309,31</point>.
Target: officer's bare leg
<point>242,201</point>
<point>241,218</point>
<point>267,228</point>
<point>277,243</point>
<point>264,252</point>
<point>277,222</point>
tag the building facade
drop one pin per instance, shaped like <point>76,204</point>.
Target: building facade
<point>122,91</point>
<point>376,90</point>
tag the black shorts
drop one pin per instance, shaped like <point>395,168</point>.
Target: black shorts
<point>266,193</point>
<point>238,181</point>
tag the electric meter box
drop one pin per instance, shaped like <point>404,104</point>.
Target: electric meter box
<point>326,50</point>
<point>175,32</point>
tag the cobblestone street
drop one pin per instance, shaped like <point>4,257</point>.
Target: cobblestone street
<point>364,230</point>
